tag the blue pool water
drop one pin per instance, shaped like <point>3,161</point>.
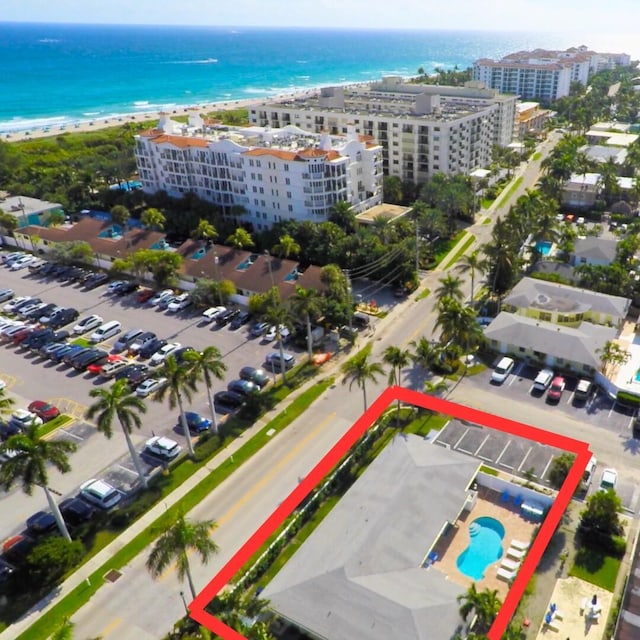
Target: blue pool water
<point>544,247</point>
<point>638,375</point>
<point>485,547</point>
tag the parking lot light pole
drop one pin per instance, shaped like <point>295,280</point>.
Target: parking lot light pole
<point>216,263</point>
<point>184,602</point>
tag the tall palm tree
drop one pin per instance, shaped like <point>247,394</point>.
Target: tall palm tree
<point>6,403</point>
<point>397,359</point>
<point>175,545</point>
<point>360,370</point>
<point>458,325</point>
<point>450,287</point>
<point>286,247</point>
<point>204,231</point>
<point>119,402</point>
<point>486,605</point>
<point>153,219</point>
<point>471,262</point>
<point>181,385</point>
<point>240,239</point>
<point>306,302</point>
<point>33,454</point>
<point>278,315</point>
<point>207,364</point>
<point>425,353</point>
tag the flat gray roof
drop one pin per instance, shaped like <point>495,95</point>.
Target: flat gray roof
<point>359,576</point>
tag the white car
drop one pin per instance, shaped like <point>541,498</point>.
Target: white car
<point>271,333</point>
<point>159,297</point>
<point>163,447</point>
<point>6,294</point>
<point>543,379</point>
<point>179,303</point>
<point>159,356</point>
<point>149,386</point>
<point>87,324</point>
<point>9,257</point>
<point>608,479</point>
<point>23,419</point>
<point>100,493</point>
<point>22,262</point>
<point>212,313</point>
<point>113,285</point>
<point>10,307</point>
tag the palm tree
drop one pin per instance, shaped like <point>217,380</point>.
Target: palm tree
<point>449,288</point>
<point>204,231</point>
<point>153,219</point>
<point>33,454</point>
<point>458,325</point>
<point>471,262</point>
<point>182,384</point>
<point>6,403</point>
<point>207,364</point>
<point>397,359</point>
<point>286,247</point>
<point>175,545</point>
<point>306,302</point>
<point>425,352</point>
<point>360,370</point>
<point>120,403</point>
<point>64,631</point>
<point>240,239</point>
<point>278,315</point>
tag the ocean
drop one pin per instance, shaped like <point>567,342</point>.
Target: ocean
<point>57,74</point>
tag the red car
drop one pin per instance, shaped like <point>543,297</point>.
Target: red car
<point>555,390</point>
<point>44,410</point>
<point>144,295</point>
<point>20,336</point>
<point>96,366</point>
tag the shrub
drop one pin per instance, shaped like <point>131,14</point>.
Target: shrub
<point>49,560</point>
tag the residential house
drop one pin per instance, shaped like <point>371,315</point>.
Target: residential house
<point>581,190</point>
<point>594,250</point>
<point>28,210</point>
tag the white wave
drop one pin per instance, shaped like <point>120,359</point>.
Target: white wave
<point>303,77</point>
<point>204,61</point>
<point>27,124</point>
<point>49,40</point>
<point>141,103</point>
<point>302,61</point>
<point>91,113</point>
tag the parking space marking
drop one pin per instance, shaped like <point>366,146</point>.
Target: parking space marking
<point>544,471</point>
<point>69,407</point>
<point>457,444</point>
<point>481,445</point>
<point>9,379</point>
<point>63,432</point>
<point>506,446</point>
<point>526,455</point>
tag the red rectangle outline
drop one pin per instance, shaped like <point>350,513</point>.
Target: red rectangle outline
<point>340,449</point>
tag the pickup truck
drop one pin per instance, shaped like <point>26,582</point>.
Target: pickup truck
<point>543,380</point>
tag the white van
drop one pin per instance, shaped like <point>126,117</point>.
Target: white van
<point>105,331</point>
<point>588,472</point>
<point>502,370</point>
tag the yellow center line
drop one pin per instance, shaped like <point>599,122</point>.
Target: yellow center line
<point>116,622</point>
<point>262,482</point>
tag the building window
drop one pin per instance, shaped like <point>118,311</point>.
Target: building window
<point>545,315</point>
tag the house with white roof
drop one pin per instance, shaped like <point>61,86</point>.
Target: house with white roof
<point>581,190</point>
<point>594,250</point>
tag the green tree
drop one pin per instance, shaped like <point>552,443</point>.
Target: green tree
<point>153,219</point>
<point>600,521</point>
<point>64,631</point>
<point>286,247</point>
<point>182,384</point>
<point>51,558</point>
<point>472,263</point>
<point>6,403</point>
<point>204,231</point>
<point>485,604</point>
<point>612,355</point>
<point>240,239</point>
<point>425,352</point>
<point>306,303</point>
<point>360,370</point>
<point>343,216</point>
<point>458,325</point>
<point>278,314</point>
<point>121,404</point>
<point>450,287</point>
<point>29,466</point>
<point>56,218</point>
<point>397,359</point>
<point>120,214</point>
<point>559,469</point>
<point>176,544</point>
<point>207,364</point>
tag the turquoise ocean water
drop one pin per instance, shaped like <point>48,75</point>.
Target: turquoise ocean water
<point>54,73</point>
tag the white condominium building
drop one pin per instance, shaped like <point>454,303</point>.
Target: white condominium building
<point>544,75</point>
<point>423,129</point>
<point>273,174</point>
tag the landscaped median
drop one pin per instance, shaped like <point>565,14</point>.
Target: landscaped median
<point>49,427</point>
<point>201,481</point>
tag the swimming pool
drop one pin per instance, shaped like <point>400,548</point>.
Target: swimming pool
<point>544,247</point>
<point>485,547</point>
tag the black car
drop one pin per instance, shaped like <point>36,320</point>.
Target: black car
<point>134,374</point>
<point>94,356</point>
<point>47,350</point>
<point>125,289</point>
<point>151,347</point>
<point>58,270</point>
<point>178,354</point>
<point>95,281</point>
<point>58,354</point>
<point>48,336</point>
<point>229,399</point>
<point>64,317</point>
<point>72,274</point>
<point>242,318</point>
<point>17,548</point>
<point>34,314</point>
<point>41,522</point>
<point>257,376</point>
<point>36,339</point>
<point>76,511</point>
<point>62,273</point>
<point>5,570</point>
<point>75,352</point>
<point>244,388</point>
<point>226,317</point>
<point>46,268</point>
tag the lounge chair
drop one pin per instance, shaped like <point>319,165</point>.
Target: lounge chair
<point>508,576</point>
<point>511,565</point>
<point>517,500</point>
<point>518,544</point>
<point>518,554</point>
<point>506,497</point>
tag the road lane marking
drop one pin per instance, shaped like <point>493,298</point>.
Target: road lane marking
<point>262,482</point>
<point>111,627</point>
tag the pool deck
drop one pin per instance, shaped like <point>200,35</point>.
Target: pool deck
<point>453,543</point>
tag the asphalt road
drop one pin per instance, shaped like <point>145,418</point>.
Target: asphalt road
<point>29,378</point>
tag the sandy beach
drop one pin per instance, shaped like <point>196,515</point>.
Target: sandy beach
<point>103,123</point>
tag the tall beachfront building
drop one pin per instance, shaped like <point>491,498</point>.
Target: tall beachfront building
<point>423,129</point>
<point>273,174</point>
<point>544,75</point>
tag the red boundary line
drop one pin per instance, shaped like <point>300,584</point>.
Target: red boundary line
<point>346,442</point>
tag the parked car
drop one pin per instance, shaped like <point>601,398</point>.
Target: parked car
<point>37,338</point>
<point>555,390</point>
<point>162,447</point>
<point>106,331</point>
<point>6,294</point>
<point>257,376</point>
<point>35,267</point>
<point>543,380</point>
<point>229,400</point>
<point>151,385</point>
<point>143,339</point>
<point>14,305</point>
<point>134,374</point>
<point>100,493</point>
<point>23,309</point>
<point>179,303</point>
<point>8,258</point>
<point>43,309</point>
<point>95,280</point>
<point>44,410</point>
<point>587,476</point>
<point>47,350</point>
<point>59,354</point>
<point>158,297</point>
<point>212,313</point>
<point>151,347</point>
<point>76,511</point>
<point>75,354</point>
<point>93,356</point>
<point>242,318</point>
<point>144,295</point>
<point>226,317</point>
<point>64,317</point>
<point>272,331</point>
<point>165,302</point>
<point>502,370</point>
<point>19,336</point>
<point>274,362</point>
<point>96,367</point>
<point>21,419</point>
<point>17,548</point>
<point>243,387</point>
<point>22,262</point>
<point>609,479</point>
<point>125,289</point>
<point>259,329</point>
<point>114,284</point>
<point>126,339</point>
<point>112,368</point>
<point>159,356</point>
<point>41,522</point>
<point>88,324</point>
<point>583,390</point>
<point>195,422</point>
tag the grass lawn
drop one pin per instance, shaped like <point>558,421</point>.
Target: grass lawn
<point>83,342</point>
<point>443,247</point>
<point>536,156</point>
<point>54,424</point>
<point>458,254</point>
<point>506,194</point>
<point>427,422</point>
<point>596,567</point>
<point>423,294</point>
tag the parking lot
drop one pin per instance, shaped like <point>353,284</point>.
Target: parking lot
<point>29,377</point>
